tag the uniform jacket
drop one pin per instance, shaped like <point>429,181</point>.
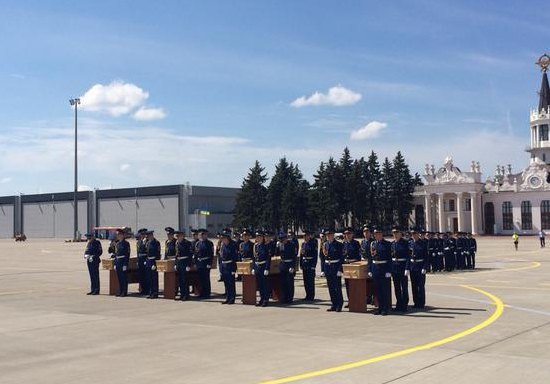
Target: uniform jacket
<point>262,256</point>
<point>229,257</point>
<point>94,250</point>
<point>308,254</point>
<point>246,250</point>
<point>365,249</point>
<point>352,251</point>
<point>170,249</point>
<point>122,248</point>
<point>334,256</point>
<point>400,255</point>
<point>287,251</point>
<point>184,253</point>
<point>418,256</point>
<point>380,261</point>
<point>204,253</point>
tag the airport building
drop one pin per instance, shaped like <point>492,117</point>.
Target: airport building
<point>51,215</point>
<point>507,202</point>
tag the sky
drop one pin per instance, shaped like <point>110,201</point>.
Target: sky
<point>180,91</point>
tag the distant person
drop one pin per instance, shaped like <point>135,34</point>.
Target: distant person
<point>515,238</point>
<point>120,252</point>
<point>542,236</point>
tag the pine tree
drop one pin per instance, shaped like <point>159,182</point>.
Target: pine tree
<point>345,168</point>
<point>274,210</point>
<point>403,188</point>
<point>373,187</point>
<point>387,196</point>
<point>251,199</point>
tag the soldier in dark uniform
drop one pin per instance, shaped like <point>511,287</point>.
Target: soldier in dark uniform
<point>439,265</point>
<point>380,267</point>
<point>246,247</point>
<point>153,254</point>
<point>352,252</point>
<point>365,255</point>
<point>294,240</point>
<point>217,250</point>
<point>194,237</point>
<point>287,251</point>
<point>400,257</point>
<point>262,264</point>
<point>271,242</point>
<point>204,255</point>
<point>121,255</point>
<point>322,239</point>
<point>229,257</point>
<point>461,247</point>
<point>449,252</point>
<point>141,247</point>
<point>92,256</point>
<point>417,265</point>
<point>308,264</point>
<point>184,261</point>
<point>471,260</point>
<point>431,245</point>
<point>170,244</point>
<point>334,257</point>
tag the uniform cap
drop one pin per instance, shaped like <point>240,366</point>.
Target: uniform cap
<point>329,231</point>
<point>179,233</point>
<point>169,230</point>
<point>348,230</point>
<point>366,228</point>
<point>396,229</point>
<point>260,233</point>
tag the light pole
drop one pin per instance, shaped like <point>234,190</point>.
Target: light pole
<point>75,103</point>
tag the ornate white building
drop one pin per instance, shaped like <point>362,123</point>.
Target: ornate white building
<point>455,200</point>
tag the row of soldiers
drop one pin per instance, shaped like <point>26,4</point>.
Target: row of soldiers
<point>411,254</point>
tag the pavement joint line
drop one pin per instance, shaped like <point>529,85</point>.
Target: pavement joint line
<point>499,309</point>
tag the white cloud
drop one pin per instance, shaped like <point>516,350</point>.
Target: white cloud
<point>369,131</point>
<point>6,180</point>
<point>336,96</point>
<point>117,98</point>
<point>148,114</point>
<point>124,167</point>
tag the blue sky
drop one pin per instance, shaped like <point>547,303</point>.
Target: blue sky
<point>178,91</point>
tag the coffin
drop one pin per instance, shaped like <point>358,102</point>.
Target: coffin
<point>275,265</point>
<point>109,264</point>
<point>166,265</point>
<point>244,267</point>
<point>357,270</point>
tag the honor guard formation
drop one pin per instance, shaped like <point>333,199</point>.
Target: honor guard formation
<point>409,256</point>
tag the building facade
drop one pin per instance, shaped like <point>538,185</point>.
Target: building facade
<point>178,206</point>
<point>507,202</point>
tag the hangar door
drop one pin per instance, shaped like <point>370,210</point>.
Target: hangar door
<point>6,221</point>
<point>53,219</point>
<point>151,212</point>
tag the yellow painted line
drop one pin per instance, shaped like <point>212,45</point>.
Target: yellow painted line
<point>499,308</point>
<point>534,264</point>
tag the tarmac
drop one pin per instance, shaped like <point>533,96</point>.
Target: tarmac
<point>491,325</point>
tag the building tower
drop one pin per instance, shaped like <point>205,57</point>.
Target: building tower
<point>540,119</point>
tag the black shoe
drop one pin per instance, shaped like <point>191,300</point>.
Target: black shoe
<point>377,313</point>
<point>264,304</point>
<point>124,295</point>
<point>384,313</point>
<point>90,293</point>
<point>220,280</point>
<point>339,309</point>
<point>331,309</point>
<point>259,304</point>
<point>95,293</point>
<point>118,295</point>
<point>346,306</point>
<point>231,302</point>
<point>225,302</point>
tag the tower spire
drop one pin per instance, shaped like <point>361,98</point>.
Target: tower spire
<point>544,94</point>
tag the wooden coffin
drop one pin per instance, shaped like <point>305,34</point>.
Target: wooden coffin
<point>244,267</point>
<point>109,264</point>
<point>166,265</point>
<point>357,270</point>
<point>275,265</point>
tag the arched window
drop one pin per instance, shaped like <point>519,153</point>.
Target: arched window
<point>507,216</point>
<point>526,216</point>
<point>545,214</point>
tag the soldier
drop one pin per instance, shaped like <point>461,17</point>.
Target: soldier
<point>440,265</point>
<point>451,243</point>
<point>365,255</point>
<point>472,249</point>
<point>294,240</point>
<point>217,250</point>
<point>141,247</point>
<point>400,274</point>
<point>204,253</point>
<point>170,244</point>
<point>92,255</point>
<point>229,257</point>
<point>121,254</point>
<point>461,247</point>
<point>286,249</point>
<point>417,267</point>
<point>334,257</point>
<point>352,252</point>
<point>308,264</point>
<point>380,267</point>
<point>153,254</point>
<point>323,239</point>
<point>262,264</point>
<point>246,247</point>
<point>271,242</point>
<point>184,261</point>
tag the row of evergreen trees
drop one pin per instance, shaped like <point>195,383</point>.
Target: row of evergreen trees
<point>347,192</point>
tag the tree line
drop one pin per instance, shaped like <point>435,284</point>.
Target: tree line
<point>344,192</point>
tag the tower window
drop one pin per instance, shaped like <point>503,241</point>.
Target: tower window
<point>543,132</point>
<point>526,216</point>
<point>507,216</point>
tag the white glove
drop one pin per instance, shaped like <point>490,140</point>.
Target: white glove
<point>291,270</point>
<point>388,275</point>
<point>266,272</point>
<point>114,267</point>
<point>124,268</point>
<point>369,274</point>
<point>253,272</point>
<point>111,254</point>
<point>187,269</point>
<point>423,271</point>
<point>208,266</point>
<point>90,260</point>
<point>86,256</point>
<point>175,267</point>
<point>153,268</point>
<point>339,274</point>
<point>407,272</point>
<point>234,273</point>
